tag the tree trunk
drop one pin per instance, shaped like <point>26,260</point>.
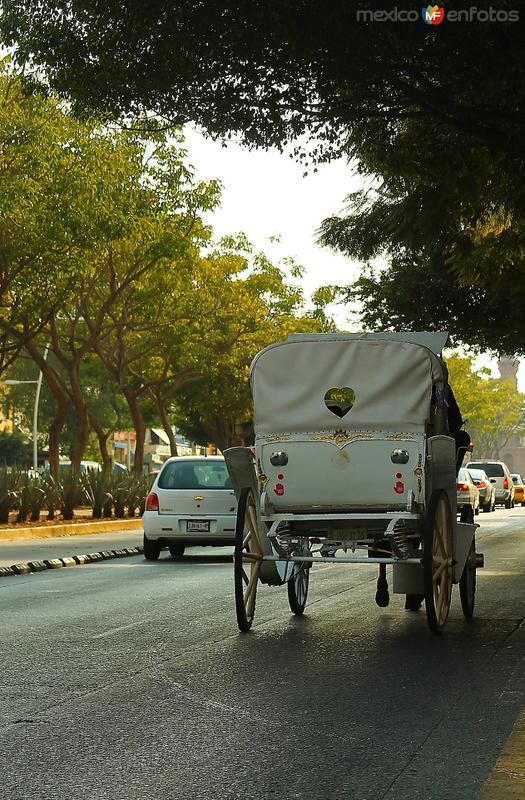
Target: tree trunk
<point>55,429</point>
<point>163,414</point>
<point>79,403</point>
<point>102,437</point>
<point>139,426</point>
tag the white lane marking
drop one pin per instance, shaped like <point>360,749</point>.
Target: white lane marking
<point>116,630</point>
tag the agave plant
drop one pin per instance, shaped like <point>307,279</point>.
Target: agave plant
<point>71,492</point>
<point>37,499</point>
<point>30,498</point>
<point>9,481</point>
<point>96,486</point>
<point>117,502</point>
<point>52,495</point>
<point>136,488</point>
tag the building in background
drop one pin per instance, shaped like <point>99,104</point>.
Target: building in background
<point>156,447</point>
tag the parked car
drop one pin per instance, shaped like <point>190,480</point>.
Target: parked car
<point>486,489</point>
<point>467,495</point>
<point>499,476</point>
<point>84,466</point>
<point>191,502</point>
<point>519,488</point>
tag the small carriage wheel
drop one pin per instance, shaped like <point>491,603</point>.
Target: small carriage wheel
<point>467,583</point>
<point>467,515</point>
<point>246,560</point>
<point>298,587</point>
<point>437,560</point>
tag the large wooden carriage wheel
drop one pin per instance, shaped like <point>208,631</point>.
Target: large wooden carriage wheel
<point>246,560</point>
<point>437,560</point>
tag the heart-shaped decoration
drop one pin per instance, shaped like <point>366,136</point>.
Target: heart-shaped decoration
<point>339,401</point>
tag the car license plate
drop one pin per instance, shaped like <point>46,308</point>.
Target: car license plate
<point>198,525</point>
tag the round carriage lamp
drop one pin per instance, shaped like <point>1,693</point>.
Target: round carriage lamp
<point>279,459</point>
<point>399,456</point>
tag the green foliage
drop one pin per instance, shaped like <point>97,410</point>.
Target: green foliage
<point>417,295</point>
<point>275,70</point>
<point>8,491</point>
<point>96,488</point>
<point>30,497</point>
<point>15,449</point>
<point>432,118</point>
<point>243,303</point>
<point>494,408</point>
<point>70,492</point>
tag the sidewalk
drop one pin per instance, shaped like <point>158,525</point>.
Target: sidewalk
<point>22,551</point>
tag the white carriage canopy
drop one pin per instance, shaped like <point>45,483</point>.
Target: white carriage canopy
<point>391,377</point>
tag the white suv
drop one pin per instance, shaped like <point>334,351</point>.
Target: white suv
<point>499,476</point>
<point>191,502</point>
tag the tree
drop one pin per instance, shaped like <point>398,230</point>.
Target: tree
<point>51,181</point>
<point>432,116</point>
<point>419,295</point>
<point>276,70</point>
<point>494,408</point>
<point>90,211</point>
<point>15,450</point>
<point>246,304</point>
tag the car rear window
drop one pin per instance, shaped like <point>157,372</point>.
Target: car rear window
<point>195,475</point>
<point>478,474</point>
<point>492,470</point>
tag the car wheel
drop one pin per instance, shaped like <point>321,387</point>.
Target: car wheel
<point>151,549</point>
<point>177,549</point>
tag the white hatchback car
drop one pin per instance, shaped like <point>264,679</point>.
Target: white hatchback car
<point>191,502</point>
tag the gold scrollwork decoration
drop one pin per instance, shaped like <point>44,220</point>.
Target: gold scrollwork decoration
<point>341,437</point>
<point>399,436</point>
<point>418,472</point>
<point>261,477</point>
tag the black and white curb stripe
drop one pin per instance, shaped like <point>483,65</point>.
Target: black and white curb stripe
<point>68,561</point>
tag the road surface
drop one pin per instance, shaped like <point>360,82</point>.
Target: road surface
<point>127,680</point>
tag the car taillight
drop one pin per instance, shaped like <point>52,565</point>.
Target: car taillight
<point>505,483</point>
<point>462,487</point>
<point>152,502</point>
<point>481,484</point>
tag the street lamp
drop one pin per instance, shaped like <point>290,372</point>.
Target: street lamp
<point>38,382</point>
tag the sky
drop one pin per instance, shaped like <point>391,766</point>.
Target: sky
<point>265,194</point>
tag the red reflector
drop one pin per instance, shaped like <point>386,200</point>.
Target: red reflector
<point>505,483</point>
<point>399,487</point>
<point>462,487</point>
<point>279,489</point>
<point>152,502</point>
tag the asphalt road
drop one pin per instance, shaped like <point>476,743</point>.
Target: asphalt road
<point>127,679</point>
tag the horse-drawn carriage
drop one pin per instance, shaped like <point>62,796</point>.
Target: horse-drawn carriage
<point>354,462</point>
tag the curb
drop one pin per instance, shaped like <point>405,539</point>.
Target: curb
<point>72,529</point>
<point>68,561</point>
